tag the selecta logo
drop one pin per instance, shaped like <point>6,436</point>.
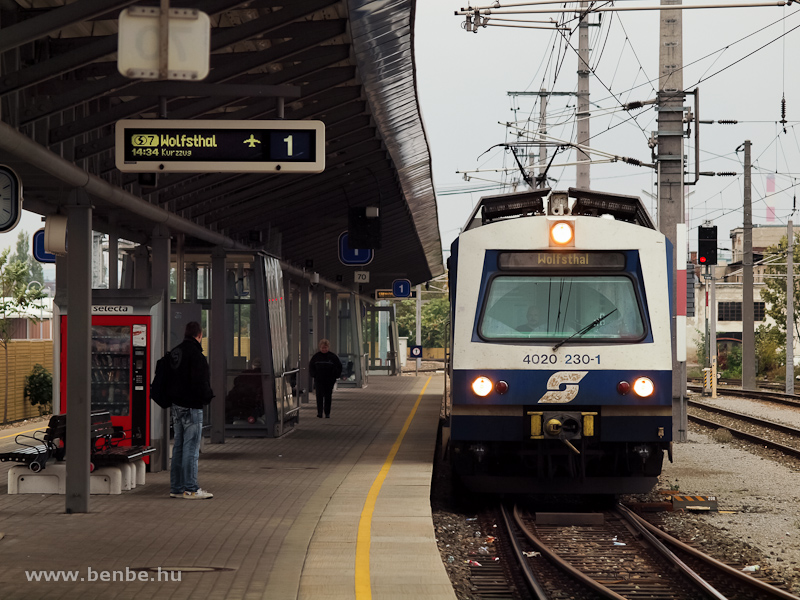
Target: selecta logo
<point>144,140</point>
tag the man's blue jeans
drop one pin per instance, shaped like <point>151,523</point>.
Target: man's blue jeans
<point>187,424</point>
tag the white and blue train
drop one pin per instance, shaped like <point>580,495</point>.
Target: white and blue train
<point>561,376</point>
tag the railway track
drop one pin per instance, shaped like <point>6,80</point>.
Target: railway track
<point>768,395</point>
<point>613,554</point>
<point>773,435</point>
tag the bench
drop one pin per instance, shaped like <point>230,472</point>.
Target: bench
<point>105,443</point>
<point>38,448</point>
<point>114,467</point>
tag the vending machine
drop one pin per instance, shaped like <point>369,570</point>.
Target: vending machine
<point>127,340</point>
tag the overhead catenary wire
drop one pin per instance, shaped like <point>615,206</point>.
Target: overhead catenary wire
<point>558,48</point>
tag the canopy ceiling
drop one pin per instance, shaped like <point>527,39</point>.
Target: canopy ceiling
<point>351,63</point>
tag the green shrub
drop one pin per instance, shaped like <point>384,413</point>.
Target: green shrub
<point>39,389</point>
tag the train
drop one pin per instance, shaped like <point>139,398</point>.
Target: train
<point>561,353</point>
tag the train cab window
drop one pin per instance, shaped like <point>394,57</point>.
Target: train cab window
<point>520,307</point>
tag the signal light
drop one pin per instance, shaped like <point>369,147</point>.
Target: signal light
<point>562,234</point>
<point>482,386</point>
<point>623,387</point>
<point>501,387</point>
<point>707,245</point>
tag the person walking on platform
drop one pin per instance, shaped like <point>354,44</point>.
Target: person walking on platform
<point>325,368</point>
<point>189,387</point>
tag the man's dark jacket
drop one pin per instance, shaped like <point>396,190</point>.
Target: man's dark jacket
<point>325,368</point>
<point>189,384</point>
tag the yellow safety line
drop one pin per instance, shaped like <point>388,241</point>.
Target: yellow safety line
<point>363,586</point>
<point>16,434</point>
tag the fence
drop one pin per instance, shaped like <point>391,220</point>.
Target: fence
<point>22,356</point>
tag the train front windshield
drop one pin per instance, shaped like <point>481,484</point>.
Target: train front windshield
<point>520,307</point>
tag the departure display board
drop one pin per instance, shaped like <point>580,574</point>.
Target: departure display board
<point>170,146</point>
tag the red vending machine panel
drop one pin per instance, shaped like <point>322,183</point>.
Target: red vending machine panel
<point>120,372</point>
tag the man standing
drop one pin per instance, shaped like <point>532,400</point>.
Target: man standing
<point>325,367</point>
<point>189,387</point>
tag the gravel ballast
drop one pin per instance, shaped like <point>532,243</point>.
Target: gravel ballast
<point>758,522</point>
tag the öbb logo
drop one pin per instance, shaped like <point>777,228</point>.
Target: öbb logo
<point>570,381</point>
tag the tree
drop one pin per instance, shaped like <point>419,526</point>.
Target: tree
<point>770,351</point>
<point>39,389</point>
<point>774,292</point>
<point>435,321</point>
<point>15,298</point>
<point>23,254</point>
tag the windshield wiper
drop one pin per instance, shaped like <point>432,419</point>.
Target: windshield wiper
<point>586,329</point>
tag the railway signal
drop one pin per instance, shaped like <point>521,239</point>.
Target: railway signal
<point>707,245</point>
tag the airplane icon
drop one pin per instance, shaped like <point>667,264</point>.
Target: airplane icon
<point>252,141</point>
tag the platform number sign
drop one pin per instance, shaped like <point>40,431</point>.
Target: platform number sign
<point>39,253</point>
<point>353,256</point>
<point>401,288</point>
<point>416,351</point>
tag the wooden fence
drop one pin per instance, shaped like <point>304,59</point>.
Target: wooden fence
<point>22,356</point>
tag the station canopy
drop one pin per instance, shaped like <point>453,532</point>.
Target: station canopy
<point>349,64</point>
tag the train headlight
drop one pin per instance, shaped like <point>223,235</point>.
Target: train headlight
<point>482,386</point>
<point>643,387</point>
<point>562,234</point>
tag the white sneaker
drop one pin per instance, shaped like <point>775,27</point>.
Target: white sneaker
<point>198,495</point>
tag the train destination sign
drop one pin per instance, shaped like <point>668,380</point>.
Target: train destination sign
<point>172,146</point>
<point>557,260</point>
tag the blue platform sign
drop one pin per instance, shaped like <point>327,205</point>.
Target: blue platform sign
<point>416,351</point>
<point>353,256</point>
<point>38,249</point>
<point>401,288</point>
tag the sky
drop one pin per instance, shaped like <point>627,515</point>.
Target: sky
<point>743,60</point>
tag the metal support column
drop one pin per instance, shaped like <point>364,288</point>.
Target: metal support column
<point>334,324</point>
<point>748,316</point>
<point>712,312</point>
<point>180,270</point>
<point>159,423</point>
<point>128,269</point>
<point>79,344</point>
<point>359,365</point>
<point>113,261</point>
<point>418,338</point>
<point>141,261</point>
<point>789,308</point>
<point>293,314</point>
<point>62,283</point>
<point>191,283</point>
<point>217,344</point>
<point>322,328</point>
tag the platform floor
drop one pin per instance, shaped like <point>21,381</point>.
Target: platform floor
<point>337,509</point>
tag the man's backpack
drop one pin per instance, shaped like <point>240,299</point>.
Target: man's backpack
<point>159,386</point>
